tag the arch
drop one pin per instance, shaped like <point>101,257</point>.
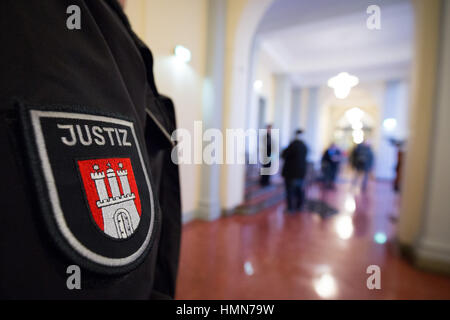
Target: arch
<point>244,23</point>
<point>364,100</point>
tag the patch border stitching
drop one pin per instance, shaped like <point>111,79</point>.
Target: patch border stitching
<point>35,116</point>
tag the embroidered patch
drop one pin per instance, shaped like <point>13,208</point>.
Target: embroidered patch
<point>93,186</point>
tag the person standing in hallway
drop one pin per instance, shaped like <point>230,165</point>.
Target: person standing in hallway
<point>399,146</point>
<point>330,165</point>
<point>361,159</point>
<point>266,155</point>
<point>294,171</point>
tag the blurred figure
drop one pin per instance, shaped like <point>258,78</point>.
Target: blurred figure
<point>399,146</point>
<point>330,165</point>
<point>267,154</point>
<point>294,171</point>
<point>361,159</point>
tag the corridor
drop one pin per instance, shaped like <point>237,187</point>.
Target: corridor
<point>273,255</point>
<point>324,67</point>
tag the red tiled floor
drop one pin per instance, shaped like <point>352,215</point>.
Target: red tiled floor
<point>271,255</point>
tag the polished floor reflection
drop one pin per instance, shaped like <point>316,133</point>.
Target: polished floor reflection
<point>273,255</point>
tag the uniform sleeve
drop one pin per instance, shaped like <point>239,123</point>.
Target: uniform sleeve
<point>170,202</point>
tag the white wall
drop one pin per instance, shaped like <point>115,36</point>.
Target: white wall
<point>314,130</point>
<point>394,106</point>
<point>162,25</point>
<point>263,72</point>
<point>283,103</point>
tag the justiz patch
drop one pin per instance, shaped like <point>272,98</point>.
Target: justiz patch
<point>93,186</point>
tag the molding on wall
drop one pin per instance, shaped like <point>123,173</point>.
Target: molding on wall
<point>433,250</point>
<point>195,215</point>
<point>422,90</point>
<point>189,216</point>
<point>433,256</point>
<point>429,256</point>
<point>433,245</point>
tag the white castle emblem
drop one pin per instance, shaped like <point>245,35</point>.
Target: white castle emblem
<point>120,216</point>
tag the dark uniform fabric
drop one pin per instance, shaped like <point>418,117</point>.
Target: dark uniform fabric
<point>294,171</point>
<point>101,69</point>
<point>294,160</point>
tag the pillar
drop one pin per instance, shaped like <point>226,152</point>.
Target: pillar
<point>433,245</point>
<point>209,201</point>
<point>423,90</point>
<point>283,101</point>
<point>312,129</point>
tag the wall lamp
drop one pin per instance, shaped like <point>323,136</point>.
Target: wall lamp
<point>182,53</point>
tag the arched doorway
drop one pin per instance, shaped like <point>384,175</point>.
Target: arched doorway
<point>281,14</point>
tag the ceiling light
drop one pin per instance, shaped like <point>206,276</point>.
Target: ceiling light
<point>342,84</point>
<point>357,125</point>
<point>354,115</point>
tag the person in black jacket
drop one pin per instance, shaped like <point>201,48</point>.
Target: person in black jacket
<point>294,172</point>
<point>330,165</point>
<point>362,159</point>
<point>91,199</point>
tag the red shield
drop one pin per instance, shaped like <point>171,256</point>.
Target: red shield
<point>112,195</point>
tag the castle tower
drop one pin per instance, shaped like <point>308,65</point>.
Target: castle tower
<point>99,179</point>
<point>123,175</point>
<point>115,191</point>
<point>120,215</point>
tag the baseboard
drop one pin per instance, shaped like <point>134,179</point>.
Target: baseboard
<point>426,256</point>
<point>189,216</point>
<point>406,252</point>
<point>433,256</point>
<point>228,212</point>
<point>432,265</point>
<point>194,215</point>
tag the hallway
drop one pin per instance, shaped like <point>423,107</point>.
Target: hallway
<point>272,255</point>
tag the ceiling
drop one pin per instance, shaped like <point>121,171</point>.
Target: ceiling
<point>312,40</point>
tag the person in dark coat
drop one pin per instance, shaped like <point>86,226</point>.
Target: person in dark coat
<point>361,159</point>
<point>330,165</point>
<point>294,171</point>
